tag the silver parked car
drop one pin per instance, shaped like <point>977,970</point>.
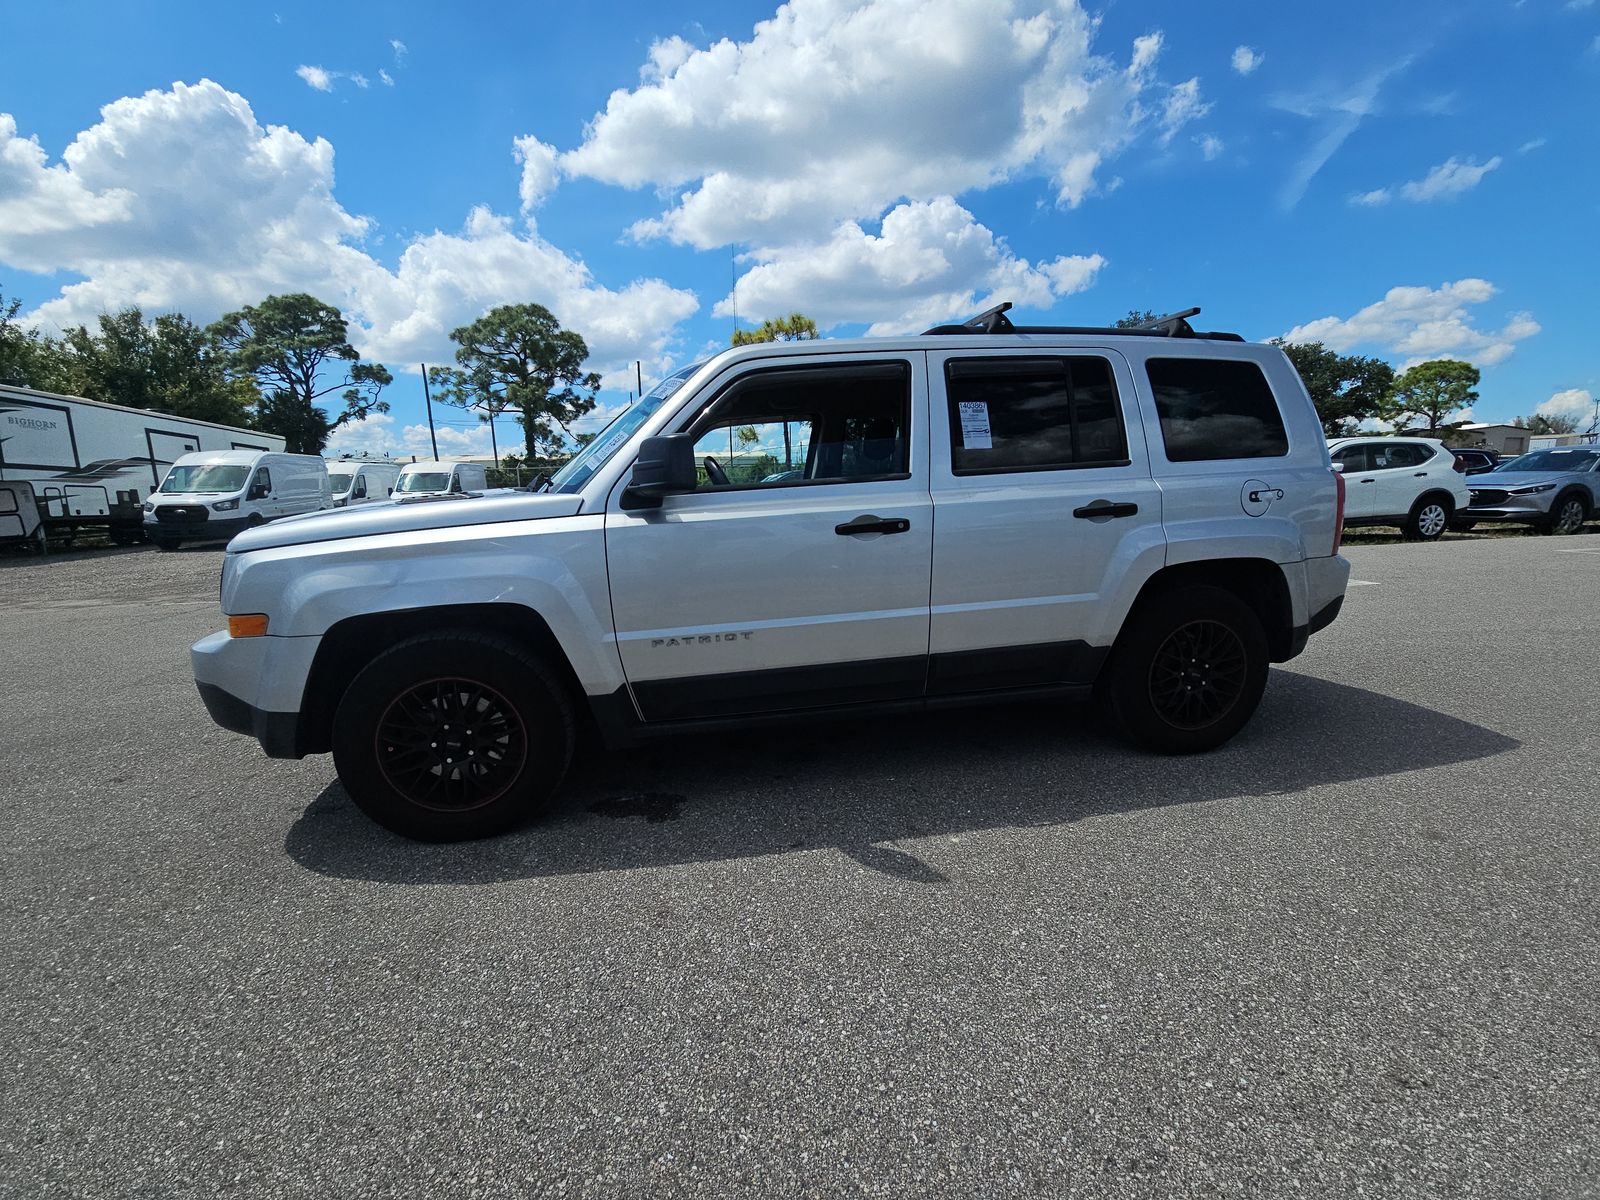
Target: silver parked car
<point>1556,490</point>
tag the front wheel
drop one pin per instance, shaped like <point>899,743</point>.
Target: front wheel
<point>1188,670</point>
<point>1428,520</point>
<point>451,736</point>
<point>1567,514</point>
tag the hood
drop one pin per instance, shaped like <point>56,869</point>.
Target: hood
<point>1505,480</point>
<point>370,520</point>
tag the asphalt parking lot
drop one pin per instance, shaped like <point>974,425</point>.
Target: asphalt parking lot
<point>976,954</point>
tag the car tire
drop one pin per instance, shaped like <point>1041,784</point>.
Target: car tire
<point>390,734</point>
<point>1429,518</point>
<point>1567,514</point>
<point>1188,670</point>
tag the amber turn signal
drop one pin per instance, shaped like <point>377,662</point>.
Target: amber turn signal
<point>248,625</point>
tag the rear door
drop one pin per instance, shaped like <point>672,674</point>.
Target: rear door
<point>1043,502</point>
<point>796,575</point>
<point>1402,470</point>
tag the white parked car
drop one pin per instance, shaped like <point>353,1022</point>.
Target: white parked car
<point>362,481</point>
<point>1415,483</point>
<point>801,528</point>
<point>439,478</point>
<point>216,494</point>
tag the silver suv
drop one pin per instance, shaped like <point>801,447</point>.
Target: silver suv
<point>980,513</point>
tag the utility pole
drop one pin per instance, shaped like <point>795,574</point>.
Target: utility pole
<point>638,376</point>
<point>428,397</point>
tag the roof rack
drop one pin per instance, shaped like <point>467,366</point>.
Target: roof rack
<point>994,320</point>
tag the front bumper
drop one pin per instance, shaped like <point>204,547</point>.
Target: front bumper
<point>195,529</point>
<point>278,732</point>
<point>255,686</point>
<point>1530,513</point>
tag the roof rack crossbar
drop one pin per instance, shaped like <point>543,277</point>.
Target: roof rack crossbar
<point>994,320</point>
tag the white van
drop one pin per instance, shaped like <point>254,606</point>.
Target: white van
<point>439,478</point>
<point>215,495</point>
<point>362,481</point>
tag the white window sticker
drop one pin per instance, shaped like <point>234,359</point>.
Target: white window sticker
<point>975,425</point>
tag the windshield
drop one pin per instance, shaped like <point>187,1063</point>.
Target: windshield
<point>1552,460</point>
<point>609,440</point>
<point>424,481</point>
<point>205,479</point>
<point>340,480</point>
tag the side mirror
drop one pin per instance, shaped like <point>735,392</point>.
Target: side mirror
<point>360,493</point>
<point>665,465</point>
<point>1339,467</point>
<point>257,492</point>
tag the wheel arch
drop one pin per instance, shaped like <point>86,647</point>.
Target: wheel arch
<point>355,641</point>
<point>1259,582</point>
<point>1440,494</point>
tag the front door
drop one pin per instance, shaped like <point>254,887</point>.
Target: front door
<point>1045,503</point>
<point>796,575</point>
<point>1360,481</point>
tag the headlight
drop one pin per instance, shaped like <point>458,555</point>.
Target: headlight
<point>226,505</point>
<point>1534,490</point>
<point>148,507</point>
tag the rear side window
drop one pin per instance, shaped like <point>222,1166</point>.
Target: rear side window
<point>1215,409</point>
<point>1401,454</point>
<point>1033,414</point>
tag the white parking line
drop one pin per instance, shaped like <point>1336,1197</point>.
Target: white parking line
<point>1363,583</point>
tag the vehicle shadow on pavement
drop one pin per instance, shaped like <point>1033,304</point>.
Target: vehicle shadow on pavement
<point>860,785</point>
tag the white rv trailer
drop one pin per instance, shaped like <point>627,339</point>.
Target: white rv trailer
<point>92,464</point>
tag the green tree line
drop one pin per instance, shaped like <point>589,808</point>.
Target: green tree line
<point>286,366</point>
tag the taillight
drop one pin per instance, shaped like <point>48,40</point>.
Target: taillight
<point>1459,465</point>
<point>1338,511</point>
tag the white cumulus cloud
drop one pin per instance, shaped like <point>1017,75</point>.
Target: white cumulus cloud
<point>1246,60</point>
<point>1373,199</point>
<point>1448,180</point>
<point>1574,402</point>
<point>540,171</point>
<point>1211,146</point>
<point>836,109</point>
<point>929,261</point>
<point>141,219</point>
<point>1420,323</point>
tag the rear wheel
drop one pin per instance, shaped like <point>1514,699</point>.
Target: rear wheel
<point>1567,514</point>
<point>1429,518</point>
<point>451,736</point>
<point>1188,670</point>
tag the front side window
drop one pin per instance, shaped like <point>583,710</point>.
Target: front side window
<point>1354,458</point>
<point>263,482</point>
<point>1214,409</point>
<point>1033,414</point>
<point>803,425</point>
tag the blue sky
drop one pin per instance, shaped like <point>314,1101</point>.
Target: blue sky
<point>1414,184</point>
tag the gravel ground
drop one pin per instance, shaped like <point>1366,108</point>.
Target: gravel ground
<point>975,954</point>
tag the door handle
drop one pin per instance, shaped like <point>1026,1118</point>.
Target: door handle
<point>1104,508</point>
<point>1420,475</point>
<point>1366,481</point>
<point>871,524</point>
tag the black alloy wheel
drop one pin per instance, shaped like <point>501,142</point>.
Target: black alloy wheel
<point>450,744</point>
<point>1187,671</point>
<point>453,735</point>
<point>1198,675</point>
